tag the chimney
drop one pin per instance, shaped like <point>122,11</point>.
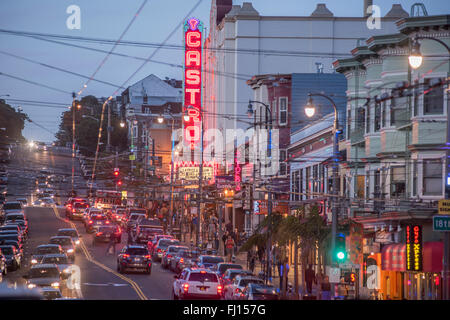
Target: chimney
<point>222,8</point>
<point>367,4</point>
<point>322,11</point>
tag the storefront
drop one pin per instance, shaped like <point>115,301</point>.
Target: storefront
<point>427,284</point>
<point>393,269</point>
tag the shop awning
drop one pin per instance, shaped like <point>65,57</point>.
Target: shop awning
<point>393,257</point>
<point>432,256</point>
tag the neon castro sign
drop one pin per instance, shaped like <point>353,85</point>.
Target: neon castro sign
<point>193,29</point>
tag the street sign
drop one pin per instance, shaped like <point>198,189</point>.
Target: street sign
<point>441,223</point>
<point>444,206</point>
<point>151,168</point>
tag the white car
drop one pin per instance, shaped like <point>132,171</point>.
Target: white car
<point>47,202</point>
<point>233,291</point>
<point>197,283</point>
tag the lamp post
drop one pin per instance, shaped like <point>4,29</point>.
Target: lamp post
<point>310,111</point>
<point>415,61</point>
<point>161,120</point>
<point>250,113</point>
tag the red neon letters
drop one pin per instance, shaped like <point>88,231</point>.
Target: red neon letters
<point>192,81</point>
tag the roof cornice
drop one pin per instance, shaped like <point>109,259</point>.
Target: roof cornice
<point>413,24</point>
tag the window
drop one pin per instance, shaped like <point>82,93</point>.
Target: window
<point>295,185</point>
<point>349,121</point>
<point>308,182</point>
<point>377,120</point>
<point>393,112</point>
<point>283,110</point>
<point>368,120</point>
<point>376,184</point>
<point>283,165</point>
<point>416,100</point>
<point>300,183</point>
<point>398,182</point>
<point>414,179</point>
<point>432,177</point>
<point>383,114</point>
<point>433,100</point>
<point>316,178</point>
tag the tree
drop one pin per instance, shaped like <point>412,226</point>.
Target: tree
<point>12,121</point>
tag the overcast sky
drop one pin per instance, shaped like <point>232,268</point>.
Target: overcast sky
<point>108,19</point>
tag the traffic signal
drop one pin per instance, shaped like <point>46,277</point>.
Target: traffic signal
<point>119,183</point>
<point>350,277</point>
<point>339,250</point>
<point>116,172</point>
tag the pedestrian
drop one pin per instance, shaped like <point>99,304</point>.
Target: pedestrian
<point>111,244</point>
<point>252,262</point>
<point>229,244</point>
<point>224,239</point>
<point>325,288</point>
<point>310,277</point>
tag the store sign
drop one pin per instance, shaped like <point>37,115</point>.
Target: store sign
<point>193,29</point>
<point>192,173</point>
<point>237,171</point>
<point>224,182</point>
<point>413,248</point>
<point>444,207</point>
<point>277,206</point>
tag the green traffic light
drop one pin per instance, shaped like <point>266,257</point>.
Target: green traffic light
<point>340,255</point>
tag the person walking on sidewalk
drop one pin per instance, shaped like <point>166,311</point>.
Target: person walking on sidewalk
<point>111,244</point>
<point>224,239</point>
<point>310,277</point>
<point>229,244</point>
<point>325,288</point>
<point>252,262</point>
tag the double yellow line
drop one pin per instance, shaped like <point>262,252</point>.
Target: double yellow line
<point>88,255</point>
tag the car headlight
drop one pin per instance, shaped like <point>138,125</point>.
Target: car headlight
<point>33,261</point>
<point>31,286</point>
<point>67,270</point>
<point>55,284</point>
<point>70,251</point>
<point>77,242</point>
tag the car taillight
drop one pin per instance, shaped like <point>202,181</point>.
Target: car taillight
<point>238,290</point>
<point>186,287</point>
<point>219,289</point>
<point>126,256</point>
<point>147,256</point>
<point>169,256</point>
<point>107,222</point>
<point>73,210</point>
<point>159,250</point>
<point>99,234</point>
<point>90,221</point>
<point>181,260</point>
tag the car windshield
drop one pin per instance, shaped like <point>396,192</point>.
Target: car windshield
<point>7,250</point>
<point>98,217</point>
<point>244,282</point>
<point>14,217</point>
<point>140,211</point>
<point>106,229</point>
<point>263,290</point>
<point>61,241</point>
<point>223,267</point>
<point>203,277</point>
<point>44,273</point>
<point>134,217</point>
<point>164,243</point>
<point>68,233</point>
<point>173,249</point>
<point>55,260</point>
<point>12,205</point>
<point>150,230</point>
<point>44,250</point>
<point>212,259</point>
<point>137,251</point>
<point>80,205</point>
<point>188,254</point>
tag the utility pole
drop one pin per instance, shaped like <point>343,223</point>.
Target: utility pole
<point>73,140</point>
<point>108,130</point>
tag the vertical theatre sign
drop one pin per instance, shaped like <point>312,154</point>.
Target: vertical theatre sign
<point>193,29</point>
<point>414,248</point>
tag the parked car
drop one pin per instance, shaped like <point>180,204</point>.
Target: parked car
<point>197,283</point>
<point>134,257</point>
<point>12,255</point>
<point>168,255</point>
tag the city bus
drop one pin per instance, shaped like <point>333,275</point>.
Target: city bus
<point>107,199</point>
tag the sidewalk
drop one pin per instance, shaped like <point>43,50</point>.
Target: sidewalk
<point>241,258</point>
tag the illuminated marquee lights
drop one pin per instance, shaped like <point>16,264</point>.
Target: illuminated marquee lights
<point>191,169</point>
<point>192,99</point>
<point>414,248</point>
<point>237,171</point>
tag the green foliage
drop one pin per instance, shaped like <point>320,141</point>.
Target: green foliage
<point>12,121</point>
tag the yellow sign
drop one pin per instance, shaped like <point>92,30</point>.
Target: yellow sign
<point>192,173</point>
<point>444,206</point>
<point>132,157</point>
<point>124,194</point>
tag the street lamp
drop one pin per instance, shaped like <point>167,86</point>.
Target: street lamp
<point>415,60</point>
<point>310,110</point>
<point>122,124</point>
<point>160,119</point>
